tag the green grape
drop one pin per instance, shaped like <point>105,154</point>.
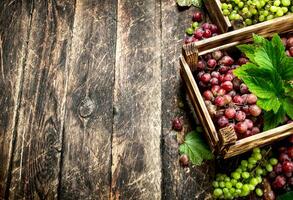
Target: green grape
<point>232,190</point>
<point>258,171</point>
<point>245,188</point>
<point>269,167</point>
<point>258,156</point>
<point>273,161</point>
<point>249,2</point>
<point>248,22</point>
<point>233,181</point>
<point>239,185</point>
<point>227,179</point>
<point>224,6</point>
<point>218,192</point>
<point>251,187</point>
<point>239,170</point>
<point>280,13</point>
<point>238,191</point>
<point>277,3</point>
<point>259,179</point>
<point>244,163</point>
<point>256,150</point>
<point>245,10</point>
<point>284,9</point>
<point>236,8</point>
<point>253,11</point>
<point>222,184</point>
<point>250,166</point>
<point>286,3</point>
<point>291,8</point>
<point>230,6</point>
<point>225,190</point>
<point>241,4</point>
<point>189,31</point>
<point>262,3</point>
<point>236,1</point>
<point>237,16</point>
<point>232,16</point>
<point>269,17</point>
<point>228,185</point>
<point>265,13</point>
<point>245,175</point>
<point>253,181</point>
<point>258,192</point>
<point>236,175</point>
<point>194,25</point>
<point>257,4</point>
<point>273,9</point>
<point>226,12</point>
<point>252,161</point>
<point>215,184</point>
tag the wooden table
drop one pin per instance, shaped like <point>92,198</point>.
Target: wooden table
<point>88,92</point>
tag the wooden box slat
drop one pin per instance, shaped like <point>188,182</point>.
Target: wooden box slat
<point>226,41</point>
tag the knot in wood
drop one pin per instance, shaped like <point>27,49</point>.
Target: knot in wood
<point>86,107</point>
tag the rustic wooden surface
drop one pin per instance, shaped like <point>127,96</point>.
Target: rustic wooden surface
<point>88,90</point>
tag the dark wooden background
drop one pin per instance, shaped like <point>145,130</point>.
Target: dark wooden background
<point>88,89</point>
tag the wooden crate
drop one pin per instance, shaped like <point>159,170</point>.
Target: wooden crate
<point>223,142</point>
<point>216,15</point>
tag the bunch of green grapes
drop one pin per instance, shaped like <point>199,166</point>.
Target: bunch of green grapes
<point>251,12</point>
<point>245,178</point>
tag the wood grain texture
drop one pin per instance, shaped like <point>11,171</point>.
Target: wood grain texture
<point>86,169</point>
<point>136,166</point>
<point>36,160</point>
<point>177,183</point>
<point>14,26</point>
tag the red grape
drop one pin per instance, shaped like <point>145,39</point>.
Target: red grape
<point>226,60</point>
<point>228,77</point>
<point>290,42</point>
<point>243,89</point>
<point>222,121</point>
<point>227,98</point>
<point>214,81</point>
<point>199,74</point>
<point>217,54</point>
<point>278,168</point>
<point>287,167</point>
<point>230,113</point>
<point>198,33</point>
<point>242,61</point>
<point>279,182</point>
<point>221,92</point>
<point>214,28</point>
<point>291,51</point>
<point>205,78</point>
<point>177,124</point>
<point>245,109</point>
<point>232,93</point>
<point>290,152</point>
<point>236,83</point>
<point>206,26</point>
<point>240,116</point>
<point>215,89</point>
<point>255,130</point>
<point>221,78</point>
<point>215,74</point>
<point>201,65</point>
<point>254,110</point>
<point>227,85</point>
<point>219,101</point>
<point>212,63</point>
<point>207,33</point>
<point>249,123</point>
<point>251,99</point>
<point>197,16</point>
<point>284,157</point>
<point>237,99</point>
<point>240,127</point>
<point>208,95</point>
<point>223,69</point>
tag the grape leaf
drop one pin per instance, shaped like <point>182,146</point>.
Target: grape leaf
<point>269,104</point>
<point>248,50</point>
<point>271,119</point>
<point>286,68</point>
<point>288,107</point>
<point>195,148</point>
<point>196,3</point>
<point>286,196</point>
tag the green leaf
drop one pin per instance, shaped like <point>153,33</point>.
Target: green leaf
<point>286,196</point>
<point>269,104</point>
<point>272,120</point>
<point>288,107</point>
<point>195,148</point>
<point>286,68</point>
<point>196,3</point>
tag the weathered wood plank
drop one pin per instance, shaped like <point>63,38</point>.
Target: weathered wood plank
<point>14,25</point>
<point>36,160</point>
<point>177,183</point>
<point>86,170</point>
<point>136,166</point>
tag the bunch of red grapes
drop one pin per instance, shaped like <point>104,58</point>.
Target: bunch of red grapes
<point>281,177</point>
<point>199,31</point>
<point>227,98</point>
